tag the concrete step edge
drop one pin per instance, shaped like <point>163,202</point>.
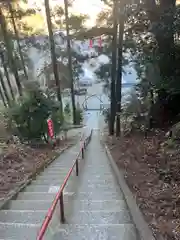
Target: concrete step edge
<point>20,224</point>
<point>106,200</point>
<point>22,211</point>
<point>19,201</point>
<point>94,225</point>
<point>103,211</point>
<point>34,193</point>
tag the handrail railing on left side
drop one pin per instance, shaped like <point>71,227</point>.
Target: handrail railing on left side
<point>59,195</point>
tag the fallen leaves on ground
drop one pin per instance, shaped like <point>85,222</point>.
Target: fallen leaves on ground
<point>152,174</point>
<point>18,162</point>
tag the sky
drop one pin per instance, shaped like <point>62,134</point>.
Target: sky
<point>89,7</point>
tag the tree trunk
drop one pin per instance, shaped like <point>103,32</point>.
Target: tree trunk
<point>113,71</point>
<point>167,57</point>
<point>7,43</point>
<point>4,89</point>
<point>17,40</point>
<point>7,75</point>
<point>2,97</point>
<point>70,62</point>
<point>53,53</point>
<point>119,71</point>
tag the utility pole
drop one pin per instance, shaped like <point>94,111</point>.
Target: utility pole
<point>113,71</point>
<point>119,70</point>
<point>53,54</point>
<point>70,62</point>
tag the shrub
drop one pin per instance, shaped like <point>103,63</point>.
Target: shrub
<point>30,115</point>
<point>79,115</point>
<point>67,112</point>
<point>106,114</point>
<point>67,109</point>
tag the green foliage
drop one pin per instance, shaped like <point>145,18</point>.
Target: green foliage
<point>30,115</point>
<point>79,115</point>
<point>58,119</point>
<point>76,22</point>
<point>175,132</point>
<point>106,114</point>
<point>67,113</point>
<point>67,109</point>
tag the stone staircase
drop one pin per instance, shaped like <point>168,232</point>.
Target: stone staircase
<point>22,217</point>
<point>94,204</point>
<point>99,210</point>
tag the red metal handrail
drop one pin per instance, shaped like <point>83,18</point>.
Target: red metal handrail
<point>59,195</point>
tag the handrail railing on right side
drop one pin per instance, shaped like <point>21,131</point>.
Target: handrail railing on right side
<point>59,195</point>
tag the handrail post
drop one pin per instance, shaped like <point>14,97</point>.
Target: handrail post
<point>82,152</point>
<point>59,197</point>
<point>61,202</point>
<point>84,144</point>
<point>77,167</point>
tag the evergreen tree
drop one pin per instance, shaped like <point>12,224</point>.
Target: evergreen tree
<point>53,54</point>
<point>11,10</point>
<point>9,48</point>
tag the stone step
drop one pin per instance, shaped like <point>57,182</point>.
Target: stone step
<point>97,195</point>
<point>95,177</point>
<point>56,171</point>
<point>49,188</point>
<point>99,181</point>
<point>36,196</point>
<point>98,169</point>
<point>18,231</point>
<point>71,154</point>
<point>28,205</point>
<point>42,188</point>
<point>51,176</point>
<point>50,181</point>
<point>101,205</point>
<point>63,165</point>
<point>55,175</point>
<point>26,217</point>
<point>99,186</point>
<point>91,165</point>
<point>98,174</point>
<point>100,217</point>
<point>37,188</point>
<point>96,232</point>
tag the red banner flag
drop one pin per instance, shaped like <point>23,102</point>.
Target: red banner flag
<point>50,128</point>
<point>90,43</point>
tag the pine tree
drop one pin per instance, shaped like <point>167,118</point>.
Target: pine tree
<point>70,61</point>
<point>4,64</point>
<point>113,71</point>
<point>8,45</point>
<point>119,70</point>
<point>4,88</point>
<point>53,53</point>
<point>11,10</point>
